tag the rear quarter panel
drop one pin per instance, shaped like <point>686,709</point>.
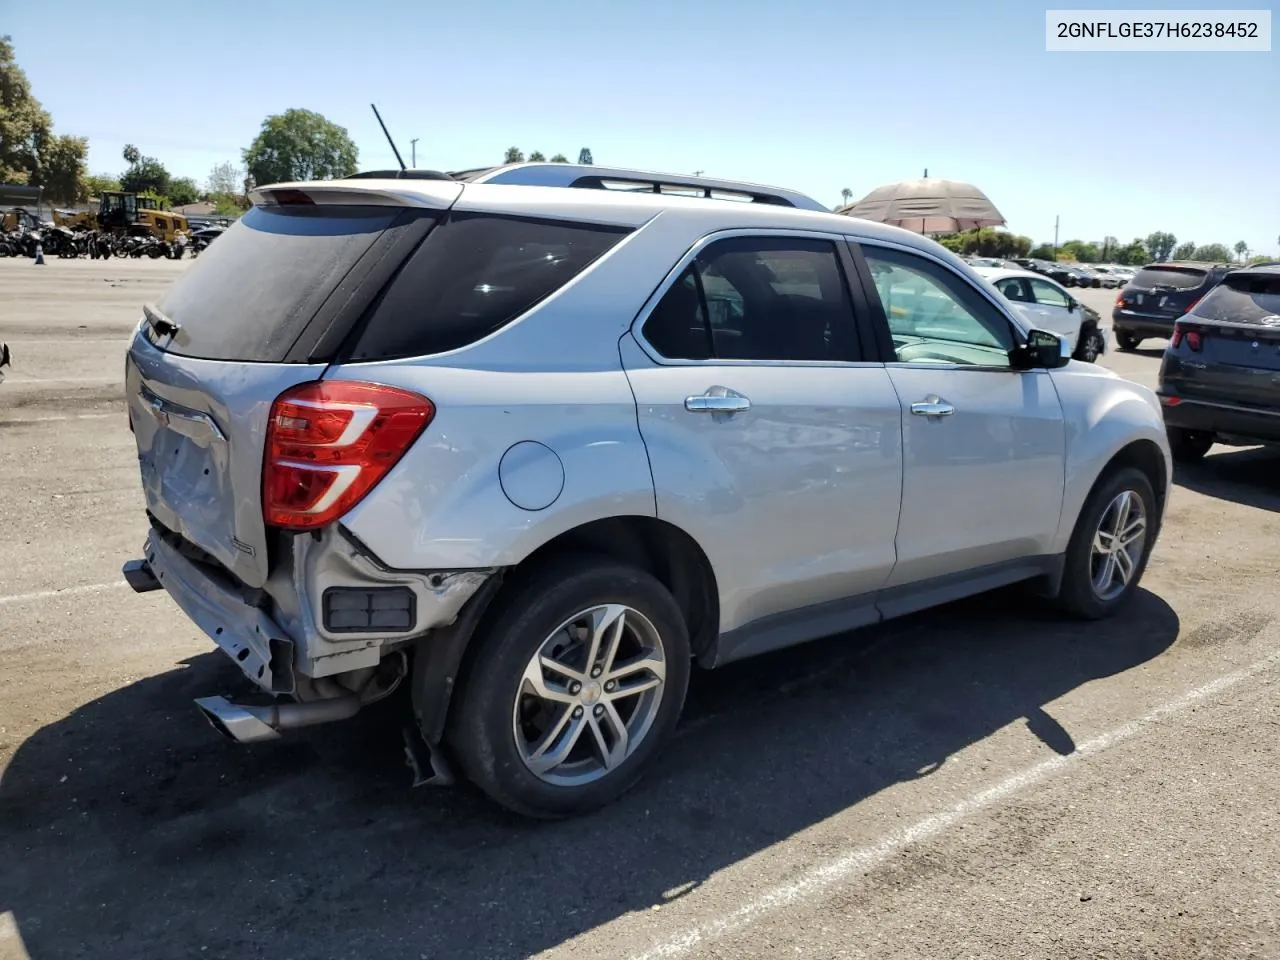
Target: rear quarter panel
<point>554,376</point>
<point>1104,414</point>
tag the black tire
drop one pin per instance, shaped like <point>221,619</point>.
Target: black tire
<point>1089,347</point>
<point>1188,446</point>
<point>480,735</point>
<point>1076,595</point>
<point>1128,342</point>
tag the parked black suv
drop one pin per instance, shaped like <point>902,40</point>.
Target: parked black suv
<point>1158,295</point>
<point>1220,379</point>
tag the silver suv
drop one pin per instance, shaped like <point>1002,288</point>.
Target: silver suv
<point>536,450</point>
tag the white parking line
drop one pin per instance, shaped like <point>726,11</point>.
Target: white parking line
<point>67,416</point>
<point>67,592</point>
<point>18,381</point>
<point>845,867</point>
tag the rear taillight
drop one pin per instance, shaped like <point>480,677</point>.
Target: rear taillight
<point>1119,299</point>
<point>329,442</point>
<point>1194,339</point>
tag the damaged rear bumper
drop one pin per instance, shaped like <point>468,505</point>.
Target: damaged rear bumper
<point>282,637</point>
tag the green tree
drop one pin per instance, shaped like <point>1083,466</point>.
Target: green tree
<point>225,178</point>
<point>537,157</point>
<point>1044,251</point>
<point>846,195</point>
<point>1081,251</point>
<point>1216,252</point>
<point>131,154</point>
<point>226,204</point>
<point>161,201</point>
<point>25,126</point>
<point>146,175</point>
<point>300,145</point>
<point>96,184</point>
<point>1135,254</point>
<point>1160,244</point>
<point>559,158</point>
<point>183,190</point>
<point>62,170</point>
<point>584,156</point>
<point>1109,247</point>
<point>1242,250</point>
<point>1184,251</point>
<point>513,155</point>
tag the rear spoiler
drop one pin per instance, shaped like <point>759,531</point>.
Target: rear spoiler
<point>439,194</point>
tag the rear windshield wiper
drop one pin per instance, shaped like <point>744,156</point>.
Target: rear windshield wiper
<point>162,325</point>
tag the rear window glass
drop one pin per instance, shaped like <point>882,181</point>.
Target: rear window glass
<point>253,291</point>
<point>1180,278</point>
<point>472,275</point>
<point>1243,300</point>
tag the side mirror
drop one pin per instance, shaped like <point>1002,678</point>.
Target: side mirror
<point>1043,350</point>
<point>1071,305</point>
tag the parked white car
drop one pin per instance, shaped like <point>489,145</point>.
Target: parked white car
<point>538,451</point>
<point>1047,305</point>
<point>1110,277</point>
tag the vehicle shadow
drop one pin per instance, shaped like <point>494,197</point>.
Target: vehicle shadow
<point>1246,476</point>
<point>130,829</point>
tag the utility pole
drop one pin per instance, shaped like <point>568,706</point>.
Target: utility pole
<point>1055,238</point>
<point>413,152</point>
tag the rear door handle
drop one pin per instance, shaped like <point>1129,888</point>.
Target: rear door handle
<point>932,406</point>
<point>718,400</point>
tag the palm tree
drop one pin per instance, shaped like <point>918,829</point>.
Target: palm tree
<point>847,195</point>
<point>1242,249</point>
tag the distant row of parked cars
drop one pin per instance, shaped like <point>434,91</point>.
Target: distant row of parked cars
<point>1067,274</point>
<point>1219,380</point>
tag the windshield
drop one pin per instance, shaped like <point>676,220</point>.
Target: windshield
<point>250,295</point>
<point>1243,300</point>
<point>1179,278</point>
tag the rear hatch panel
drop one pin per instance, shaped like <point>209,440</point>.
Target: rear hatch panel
<point>262,310</point>
<point>200,426</point>
<point>1164,291</point>
<point>1237,329</point>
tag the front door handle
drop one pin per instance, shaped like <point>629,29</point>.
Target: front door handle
<point>932,406</point>
<point>718,400</point>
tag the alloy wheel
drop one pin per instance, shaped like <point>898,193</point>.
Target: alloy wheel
<point>1118,545</point>
<point>589,695</point>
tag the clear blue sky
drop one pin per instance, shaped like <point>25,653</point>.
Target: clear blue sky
<point>815,95</point>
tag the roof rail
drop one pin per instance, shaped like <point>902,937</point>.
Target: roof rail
<point>595,177</point>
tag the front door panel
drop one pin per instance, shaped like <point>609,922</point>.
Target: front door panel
<point>982,484</point>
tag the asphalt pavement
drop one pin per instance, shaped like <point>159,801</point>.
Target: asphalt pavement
<point>983,780</point>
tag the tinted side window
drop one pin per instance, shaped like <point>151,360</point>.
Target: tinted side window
<point>474,274</point>
<point>677,327</point>
<point>777,298</point>
<point>1012,288</point>
<point>933,315</point>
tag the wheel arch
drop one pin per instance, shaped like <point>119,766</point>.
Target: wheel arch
<point>442,659</point>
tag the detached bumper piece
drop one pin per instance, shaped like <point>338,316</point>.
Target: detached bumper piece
<point>140,577</point>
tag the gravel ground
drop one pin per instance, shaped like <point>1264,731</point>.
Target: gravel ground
<point>980,781</point>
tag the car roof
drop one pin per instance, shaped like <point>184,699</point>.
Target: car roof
<point>604,206</point>
<point>1199,264</point>
<point>1271,269</point>
<point>1000,273</point>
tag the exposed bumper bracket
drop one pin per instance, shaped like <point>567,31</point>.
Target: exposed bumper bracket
<point>139,576</point>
